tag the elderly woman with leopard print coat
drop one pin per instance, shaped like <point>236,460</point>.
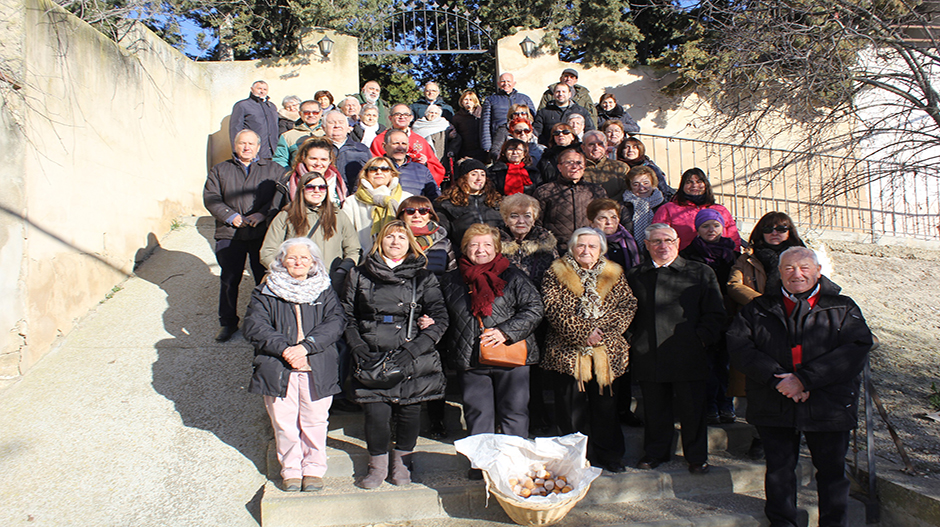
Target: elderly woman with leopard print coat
<point>589,306</point>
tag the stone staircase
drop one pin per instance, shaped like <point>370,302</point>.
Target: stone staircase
<point>441,495</point>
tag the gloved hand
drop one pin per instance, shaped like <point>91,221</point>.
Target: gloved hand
<point>402,359</point>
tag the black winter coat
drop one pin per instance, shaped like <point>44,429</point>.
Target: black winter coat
<point>456,219</point>
<point>552,114</point>
<point>679,314</point>
<point>467,126</point>
<point>836,341</point>
<point>229,190</point>
<point>517,313</point>
<point>271,327</point>
<point>377,302</point>
<point>497,174</point>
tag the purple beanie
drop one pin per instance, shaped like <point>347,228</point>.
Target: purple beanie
<point>706,215</point>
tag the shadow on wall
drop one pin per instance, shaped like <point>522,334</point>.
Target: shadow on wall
<point>218,144</point>
<point>206,381</point>
<point>643,102</point>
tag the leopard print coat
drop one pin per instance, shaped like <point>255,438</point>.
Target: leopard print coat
<point>568,333</point>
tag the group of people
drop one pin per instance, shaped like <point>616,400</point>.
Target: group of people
<point>586,256</point>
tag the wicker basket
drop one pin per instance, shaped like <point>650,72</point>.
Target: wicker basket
<point>533,514</point>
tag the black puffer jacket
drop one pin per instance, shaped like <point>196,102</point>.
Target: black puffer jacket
<point>836,341</point>
<point>456,219</point>
<point>377,302</point>
<point>271,327</point>
<point>517,313</point>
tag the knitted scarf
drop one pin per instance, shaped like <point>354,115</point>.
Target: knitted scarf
<point>769,257</point>
<point>625,240</point>
<point>484,283</point>
<point>423,234</point>
<point>286,287</point>
<point>714,253</point>
<point>384,201</point>
<point>591,361</point>
<point>642,211</point>
<point>517,177</point>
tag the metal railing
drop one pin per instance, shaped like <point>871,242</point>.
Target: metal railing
<point>821,192</point>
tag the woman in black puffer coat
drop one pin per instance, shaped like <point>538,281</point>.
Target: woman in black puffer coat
<point>471,199</point>
<point>377,301</point>
<point>510,308</point>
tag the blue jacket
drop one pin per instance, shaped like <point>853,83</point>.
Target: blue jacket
<point>417,179</point>
<point>495,109</point>
<point>350,158</point>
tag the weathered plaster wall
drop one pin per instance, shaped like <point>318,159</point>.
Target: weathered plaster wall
<point>301,75</point>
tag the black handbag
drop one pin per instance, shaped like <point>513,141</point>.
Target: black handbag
<point>385,373</point>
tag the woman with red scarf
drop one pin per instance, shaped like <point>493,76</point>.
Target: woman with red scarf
<point>491,302</point>
<point>514,172</point>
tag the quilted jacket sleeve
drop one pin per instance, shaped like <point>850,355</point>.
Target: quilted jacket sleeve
<point>527,307</point>
<point>258,327</point>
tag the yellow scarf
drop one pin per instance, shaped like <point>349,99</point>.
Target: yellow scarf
<point>384,207</point>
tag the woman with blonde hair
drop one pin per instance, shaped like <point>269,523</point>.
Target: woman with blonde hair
<point>376,201</point>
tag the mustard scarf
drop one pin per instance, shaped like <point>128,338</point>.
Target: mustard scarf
<point>384,206</point>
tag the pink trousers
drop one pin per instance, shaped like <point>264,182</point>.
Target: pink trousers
<point>300,427</point>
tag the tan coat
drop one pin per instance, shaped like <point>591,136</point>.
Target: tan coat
<point>747,279</point>
<point>344,244</point>
<point>568,334</point>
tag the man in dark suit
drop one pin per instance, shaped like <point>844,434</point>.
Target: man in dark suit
<point>802,348</point>
<point>679,314</point>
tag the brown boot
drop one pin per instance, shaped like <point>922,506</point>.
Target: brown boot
<point>401,467</point>
<point>378,471</point>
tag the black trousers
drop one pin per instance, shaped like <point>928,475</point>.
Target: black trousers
<point>593,413</point>
<point>231,256</point>
<point>379,429</point>
<point>782,451</point>
<point>658,400</point>
<point>496,395</point>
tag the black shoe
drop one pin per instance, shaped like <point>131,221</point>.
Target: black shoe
<point>615,467</point>
<point>345,406</point>
<point>699,469</point>
<point>438,430</point>
<point>648,463</point>
<point>726,417</point>
<point>756,452</point>
<point>712,419</point>
<point>475,474</point>
<point>226,333</point>
<point>630,419</point>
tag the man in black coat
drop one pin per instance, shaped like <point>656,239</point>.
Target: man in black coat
<point>258,114</point>
<point>802,349</point>
<point>679,314</point>
<point>558,111</point>
<point>239,193</point>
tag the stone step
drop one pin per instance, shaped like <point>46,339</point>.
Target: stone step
<point>438,493</point>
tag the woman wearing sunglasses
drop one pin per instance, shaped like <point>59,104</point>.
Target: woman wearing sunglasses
<point>311,214</point>
<point>562,138</point>
<point>504,132</point>
<point>376,201</point>
<point>755,271</point>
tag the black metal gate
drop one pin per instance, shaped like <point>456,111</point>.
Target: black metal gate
<point>427,29</point>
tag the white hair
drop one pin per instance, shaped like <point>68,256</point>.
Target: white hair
<point>588,231</point>
<point>659,227</point>
<point>315,253</point>
<point>592,133</point>
<point>801,253</point>
<point>289,99</point>
<point>247,131</point>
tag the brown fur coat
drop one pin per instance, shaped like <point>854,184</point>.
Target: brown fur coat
<point>567,337</point>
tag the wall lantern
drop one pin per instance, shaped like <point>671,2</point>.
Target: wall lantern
<point>326,46</point>
<point>528,47</point>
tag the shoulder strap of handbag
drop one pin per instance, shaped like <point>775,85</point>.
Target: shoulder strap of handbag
<point>411,314</point>
<point>314,229</point>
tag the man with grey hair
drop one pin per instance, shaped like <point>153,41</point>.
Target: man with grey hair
<point>418,148</point>
<point>564,200</point>
<point>432,96</point>
<point>350,155</point>
<point>350,107</point>
<point>679,313</point>
<point>258,114</point>
<point>239,194</point>
<point>371,93</point>
<point>802,348</point>
<point>606,172</point>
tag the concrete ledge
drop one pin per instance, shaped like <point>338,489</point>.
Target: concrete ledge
<point>908,501</point>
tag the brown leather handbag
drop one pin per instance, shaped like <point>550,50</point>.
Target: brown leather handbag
<point>509,356</point>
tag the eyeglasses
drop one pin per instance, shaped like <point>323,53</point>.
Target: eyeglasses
<point>663,241</point>
<point>311,187</point>
<point>303,259</point>
<point>778,228</point>
<point>424,211</point>
<point>561,132</point>
<point>379,169</point>
<point>521,131</point>
<point>401,114</point>
<point>308,112</point>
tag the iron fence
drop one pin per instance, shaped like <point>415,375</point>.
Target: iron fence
<point>869,199</point>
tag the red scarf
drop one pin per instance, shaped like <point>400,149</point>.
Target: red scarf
<point>484,283</point>
<point>517,177</point>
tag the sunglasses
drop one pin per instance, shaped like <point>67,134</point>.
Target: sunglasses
<point>379,169</point>
<point>401,114</point>
<point>308,112</point>
<point>321,188</point>
<point>520,113</point>
<point>778,228</point>
<point>521,131</point>
<point>561,132</point>
<point>424,211</point>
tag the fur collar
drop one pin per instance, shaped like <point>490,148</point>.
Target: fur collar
<point>569,278</point>
<point>543,241</point>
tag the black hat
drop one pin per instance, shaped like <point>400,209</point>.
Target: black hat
<point>469,165</point>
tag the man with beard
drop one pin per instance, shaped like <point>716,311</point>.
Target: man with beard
<point>371,92</point>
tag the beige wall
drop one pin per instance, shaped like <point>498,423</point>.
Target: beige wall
<point>102,145</point>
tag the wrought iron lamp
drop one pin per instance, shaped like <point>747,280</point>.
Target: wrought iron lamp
<point>528,47</point>
<point>326,46</point>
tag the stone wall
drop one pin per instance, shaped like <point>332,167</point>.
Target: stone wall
<point>102,145</point>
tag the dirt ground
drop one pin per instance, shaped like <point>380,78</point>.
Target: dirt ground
<point>898,291</point>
